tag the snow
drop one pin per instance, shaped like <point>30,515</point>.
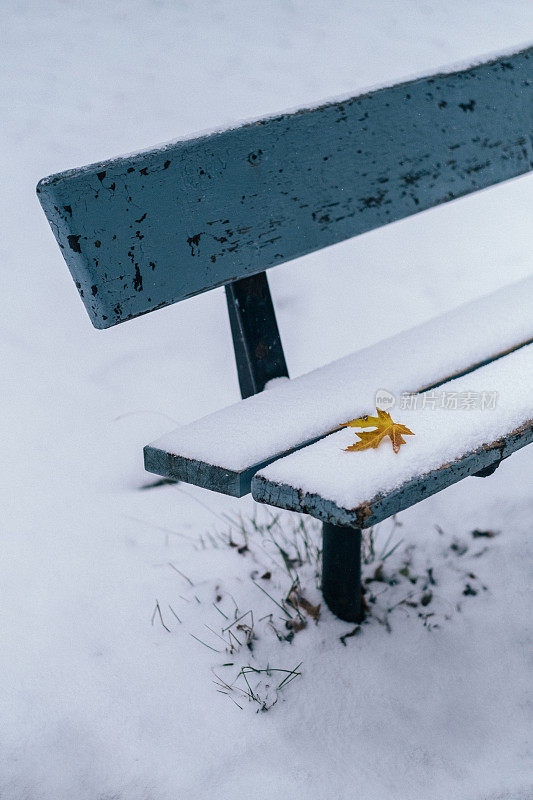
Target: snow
<point>292,412</point>
<point>95,702</point>
<point>445,69</point>
<point>491,402</point>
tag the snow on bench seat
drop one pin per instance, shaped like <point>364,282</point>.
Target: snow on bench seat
<point>223,450</point>
<point>362,488</point>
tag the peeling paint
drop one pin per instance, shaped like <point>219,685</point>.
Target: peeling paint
<point>74,242</point>
<point>267,192</point>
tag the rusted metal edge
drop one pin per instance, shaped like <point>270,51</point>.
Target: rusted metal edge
<point>382,506</point>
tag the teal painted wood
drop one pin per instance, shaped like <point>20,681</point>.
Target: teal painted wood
<point>385,505</point>
<point>147,230</point>
<point>199,473</point>
<point>238,483</point>
<point>208,476</point>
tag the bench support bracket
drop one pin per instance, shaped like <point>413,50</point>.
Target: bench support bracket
<point>341,571</point>
<point>256,340</point>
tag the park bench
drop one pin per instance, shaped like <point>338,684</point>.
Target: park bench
<point>147,230</point>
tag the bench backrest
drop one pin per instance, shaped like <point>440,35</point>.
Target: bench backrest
<point>143,231</point>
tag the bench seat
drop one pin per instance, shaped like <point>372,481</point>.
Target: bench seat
<point>360,489</point>
<point>224,450</point>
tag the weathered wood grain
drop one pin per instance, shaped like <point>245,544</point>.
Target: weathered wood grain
<point>147,230</point>
<point>382,506</point>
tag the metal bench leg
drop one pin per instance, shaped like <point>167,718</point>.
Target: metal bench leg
<point>256,340</point>
<point>341,571</point>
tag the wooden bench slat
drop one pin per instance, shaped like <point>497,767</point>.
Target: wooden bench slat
<point>143,231</point>
<point>382,506</point>
<point>360,489</point>
<point>224,450</point>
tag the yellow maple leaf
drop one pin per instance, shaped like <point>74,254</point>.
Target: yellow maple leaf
<point>383,425</point>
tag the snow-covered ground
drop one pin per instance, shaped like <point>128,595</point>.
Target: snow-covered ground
<point>96,702</point>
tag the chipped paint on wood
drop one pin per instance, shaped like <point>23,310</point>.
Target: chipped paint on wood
<point>208,476</point>
<point>382,506</point>
<point>144,231</point>
<point>238,483</point>
<point>199,473</point>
